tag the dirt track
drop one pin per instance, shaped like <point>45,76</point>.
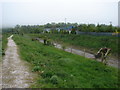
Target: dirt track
<point>15,72</point>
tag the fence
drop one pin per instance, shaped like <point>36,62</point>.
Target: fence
<point>99,33</point>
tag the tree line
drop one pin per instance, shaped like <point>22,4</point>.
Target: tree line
<point>52,26</point>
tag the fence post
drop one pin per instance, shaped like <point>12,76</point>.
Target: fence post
<point>84,52</point>
<point>71,49</point>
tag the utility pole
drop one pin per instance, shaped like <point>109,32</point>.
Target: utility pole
<point>110,23</point>
<point>65,20</point>
<point>65,23</point>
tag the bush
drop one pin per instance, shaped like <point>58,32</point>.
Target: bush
<point>49,42</point>
<point>54,79</point>
<point>47,74</point>
<point>63,47</point>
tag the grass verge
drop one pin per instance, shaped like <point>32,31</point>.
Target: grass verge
<point>89,42</point>
<point>59,69</point>
<point>4,43</point>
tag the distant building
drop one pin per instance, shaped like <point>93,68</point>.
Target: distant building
<point>119,13</point>
<point>46,30</point>
<point>67,28</point>
<point>58,29</point>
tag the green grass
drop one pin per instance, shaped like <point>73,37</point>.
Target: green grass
<point>59,69</point>
<point>4,43</point>
<point>90,42</point>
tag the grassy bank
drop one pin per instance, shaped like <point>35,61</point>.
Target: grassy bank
<point>59,69</point>
<point>4,43</point>
<point>89,42</point>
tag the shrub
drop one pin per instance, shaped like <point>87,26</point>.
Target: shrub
<point>63,47</point>
<point>49,42</point>
<point>47,74</point>
<point>54,79</point>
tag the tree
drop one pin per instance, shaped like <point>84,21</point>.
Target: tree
<point>91,27</point>
<point>73,30</point>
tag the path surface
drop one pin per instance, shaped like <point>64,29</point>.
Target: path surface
<point>15,72</point>
<point>111,61</point>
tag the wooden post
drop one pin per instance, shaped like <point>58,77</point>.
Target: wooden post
<point>84,52</point>
<point>71,49</point>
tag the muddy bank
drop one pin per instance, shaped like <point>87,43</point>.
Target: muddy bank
<point>15,72</point>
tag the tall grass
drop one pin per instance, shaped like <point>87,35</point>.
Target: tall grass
<point>59,69</point>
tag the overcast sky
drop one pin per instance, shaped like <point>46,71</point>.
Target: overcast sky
<point>34,12</point>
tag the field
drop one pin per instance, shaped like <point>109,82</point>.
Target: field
<point>59,69</point>
<point>88,42</point>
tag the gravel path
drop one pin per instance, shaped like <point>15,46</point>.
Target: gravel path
<point>111,61</point>
<point>15,72</point>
